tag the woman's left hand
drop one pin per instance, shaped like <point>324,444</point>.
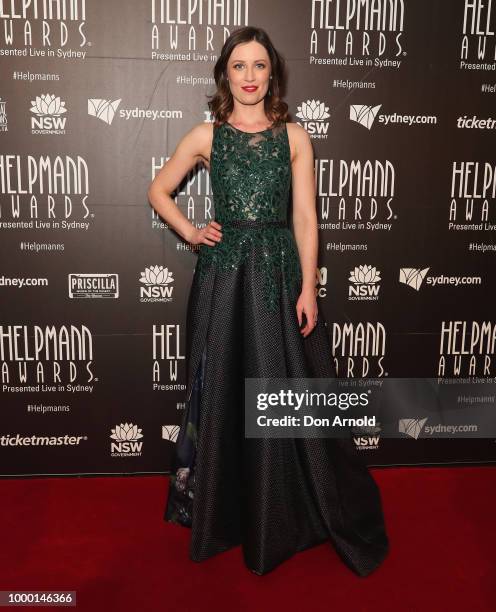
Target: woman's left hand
<point>307,303</point>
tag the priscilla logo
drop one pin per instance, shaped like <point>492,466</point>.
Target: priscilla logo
<point>103,109</point>
<point>364,285</point>
<point>170,432</point>
<point>127,444</point>
<point>93,285</point>
<point>48,109</point>
<point>313,114</point>
<point>158,287</point>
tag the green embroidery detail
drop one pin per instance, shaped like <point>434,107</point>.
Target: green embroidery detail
<point>251,180</point>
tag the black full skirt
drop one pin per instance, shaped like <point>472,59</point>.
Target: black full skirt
<point>274,496</point>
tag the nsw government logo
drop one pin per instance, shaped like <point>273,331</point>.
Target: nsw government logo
<point>157,282</point>
<point>313,114</point>
<point>128,442</point>
<point>366,437</point>
<point>364,283</point>
<point>93,285</point>
<point>48,109</point>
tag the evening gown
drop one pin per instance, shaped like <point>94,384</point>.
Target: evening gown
<point>275,496</point>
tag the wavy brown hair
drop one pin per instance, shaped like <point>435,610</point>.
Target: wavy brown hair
<point>221,103</point>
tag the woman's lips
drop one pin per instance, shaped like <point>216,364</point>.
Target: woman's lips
<point>250,88</point>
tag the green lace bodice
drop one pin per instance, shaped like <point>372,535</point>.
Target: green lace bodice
<point>250,175</point>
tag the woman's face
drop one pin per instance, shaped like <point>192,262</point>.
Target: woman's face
<point>248,71</point>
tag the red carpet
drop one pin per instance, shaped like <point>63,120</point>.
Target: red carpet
<point>105,538</point>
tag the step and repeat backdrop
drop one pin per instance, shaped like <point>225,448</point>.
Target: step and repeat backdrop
<point>398,97</point>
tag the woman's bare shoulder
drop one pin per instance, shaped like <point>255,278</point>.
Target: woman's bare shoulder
<point>298,138</point>
<point>297,132</point>
<point>201,132</point>
<point>198,141</point>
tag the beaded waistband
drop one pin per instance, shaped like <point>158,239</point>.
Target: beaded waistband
<point>253,223</point>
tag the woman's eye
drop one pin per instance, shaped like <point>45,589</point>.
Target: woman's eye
<point>241,65</point>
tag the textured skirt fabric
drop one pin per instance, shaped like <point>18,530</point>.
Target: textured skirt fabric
<point>275,496</point>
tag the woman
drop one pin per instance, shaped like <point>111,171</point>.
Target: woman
<point>252,312</point>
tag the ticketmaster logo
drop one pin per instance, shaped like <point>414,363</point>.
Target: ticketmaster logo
<point>18,440</point>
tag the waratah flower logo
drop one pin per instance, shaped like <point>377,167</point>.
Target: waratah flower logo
<point>48,104</point>
<point>156,275</point>
<point>365,275</point>
<point>313,110</point>
<point>126,432</point>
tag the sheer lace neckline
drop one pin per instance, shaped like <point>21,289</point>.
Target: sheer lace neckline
<point>243,131</point>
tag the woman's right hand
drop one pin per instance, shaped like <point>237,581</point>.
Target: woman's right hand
<point>210,234</point>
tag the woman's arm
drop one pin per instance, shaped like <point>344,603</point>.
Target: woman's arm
<point>188,153</point>
<point>304,212</point>
<point>305,224</point>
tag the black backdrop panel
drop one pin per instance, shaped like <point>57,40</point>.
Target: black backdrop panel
<point>94,102</point>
